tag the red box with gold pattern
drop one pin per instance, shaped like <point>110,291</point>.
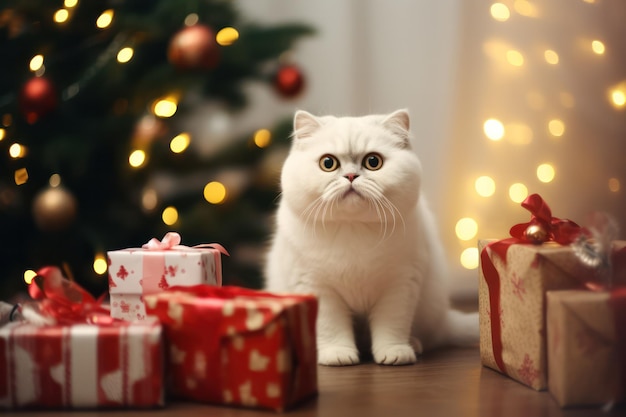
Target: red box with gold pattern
<point>238,347</point>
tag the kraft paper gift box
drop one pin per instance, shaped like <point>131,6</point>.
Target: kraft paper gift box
<point>155,267</point>
<point>514,276</point>
<point>238,347</point>
<point>587,347</point>
<point>74,355</point>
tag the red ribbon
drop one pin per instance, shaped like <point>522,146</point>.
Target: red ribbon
<point>557,230</point>
<point>65,301</point>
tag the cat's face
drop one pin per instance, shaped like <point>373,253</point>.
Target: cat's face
<point>351,169</point>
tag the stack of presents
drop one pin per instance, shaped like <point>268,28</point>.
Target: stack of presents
<point>552,307</point>
<point>170,331</point>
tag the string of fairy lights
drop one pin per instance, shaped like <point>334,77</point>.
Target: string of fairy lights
<point>214,192</point>
<point>506,57</point>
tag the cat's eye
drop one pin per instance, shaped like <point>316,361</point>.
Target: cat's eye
<point>329,163</point>
<point>373,161</point>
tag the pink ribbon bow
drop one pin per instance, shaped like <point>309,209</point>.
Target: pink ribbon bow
<point>172,240</point>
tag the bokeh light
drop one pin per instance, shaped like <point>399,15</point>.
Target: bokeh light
<point>466,228</point>
<point>180,142</point>
<point>36,63</point>
<point>469,258</point>
<point>100,264</point>
<point>518,192</point>
<point>125,55</point>
<point>137,158</point>
<point>29,275</point>
<point>262,138</point>
<point>105,19</point>
<point>227,36</point>
<point>17,151</point>
<point>500,12</point>
<point>551,57</point>
<point>169,215</point>
<point>494,129</point>
<point>545,173</point>
<point>485,186</point>
<point>165,107</point>
<point>614,185</point>
<point>598,47</point>
<point>515,58</point>
<point>20,176</point>
<point>215,192</point>
<point>61,16</point>
<point>556,127</point>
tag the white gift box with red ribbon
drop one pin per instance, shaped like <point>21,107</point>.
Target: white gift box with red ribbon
<point>157,266</point>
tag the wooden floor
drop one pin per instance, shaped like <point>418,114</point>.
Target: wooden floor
<point>449,383</point>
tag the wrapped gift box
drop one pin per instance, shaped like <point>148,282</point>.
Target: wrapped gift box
<point>154,268</point>
<point>586,346</point>
<point>238,347</point>
<point>81,365</point>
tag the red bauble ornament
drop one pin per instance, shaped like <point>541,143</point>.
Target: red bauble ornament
<point>194,48</point>
<point>38,98</point>
<point>289,81</point>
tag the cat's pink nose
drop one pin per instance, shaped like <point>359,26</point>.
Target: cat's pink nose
<point>351,177</point>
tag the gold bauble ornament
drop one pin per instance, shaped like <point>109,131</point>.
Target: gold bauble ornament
<point>536,233</point>
<point>54,209</point>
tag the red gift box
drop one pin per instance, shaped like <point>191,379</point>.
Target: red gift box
<point>74,355</point>
<point>81,365</point>
<point>155,267</point>
<point>238,347</point>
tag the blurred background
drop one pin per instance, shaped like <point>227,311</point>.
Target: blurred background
<point>122,120</point>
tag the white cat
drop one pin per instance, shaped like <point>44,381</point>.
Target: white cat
<point>354,229</point>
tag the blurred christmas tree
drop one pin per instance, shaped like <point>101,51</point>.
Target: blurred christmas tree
<point>95,156</point>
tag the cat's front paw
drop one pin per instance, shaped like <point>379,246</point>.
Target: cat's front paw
<point>395,355</point>
<point>337,356</point>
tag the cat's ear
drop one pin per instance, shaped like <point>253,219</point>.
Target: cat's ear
<point>304,124</point>
<point>398,123</point>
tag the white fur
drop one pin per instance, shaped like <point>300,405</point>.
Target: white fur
<point>373,253</point>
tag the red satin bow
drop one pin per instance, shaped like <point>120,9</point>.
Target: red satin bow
<point>558,230</point>
<point>65,301</point>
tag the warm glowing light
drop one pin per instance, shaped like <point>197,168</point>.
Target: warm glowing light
<point>518,192</point>
<point>500,12</point>
<point>137,158</point>
<point>169,215</point>
<point>21,176</point>
<point>180,142</point>
<point>61,16</point>
<point>149,199</point>
<point>556,127</point>
<point>618,97</point>
<point>525,8</point>
<point>494,129</point>
<point>545,173</point>
<point>469,258</point>
<point>100,264</point>
<point>597,47</point>
<point>614,185</point>
<point>165,107</point>
<point>551,57</point>
<point>29,276</point>
<point>227,36</point>
<point>17,151</point>
<point>515,58</point>
<point>2,133</point>
<point>466,228</point>
<point>262,138</point>
<point>54,180</point>
<point>36,63</point>
<point>191,19</point>
<point>485,186</point>
<point>215,192</point>
<point>70,3</point>
<point>125,55</point>
<point>519,133</point>
<point>105,19</point>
